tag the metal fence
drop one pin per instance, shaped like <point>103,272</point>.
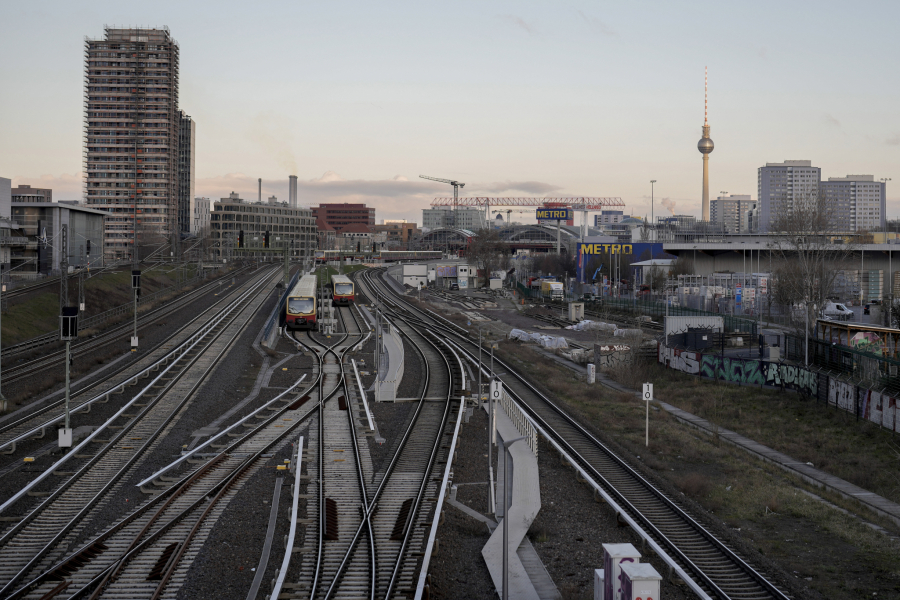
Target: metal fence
<point>268,336</point>
<point>732,323</point>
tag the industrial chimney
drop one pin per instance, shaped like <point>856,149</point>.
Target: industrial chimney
<point>292,191</point>
<point>260,191</point>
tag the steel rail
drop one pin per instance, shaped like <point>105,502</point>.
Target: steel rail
<point>124,468</point>
<point>49,338</point>
<point>395,459</point>
<point>178,488</point>
<point>80,406</point>
<point>710,539</point>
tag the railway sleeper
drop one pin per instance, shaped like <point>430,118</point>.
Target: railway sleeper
<point>163,562</point>
<point>77,561</point>
<point>402,518</point>
<point>331,520</point>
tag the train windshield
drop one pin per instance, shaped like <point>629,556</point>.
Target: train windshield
<point>343,289</point>
<point>300,306</point>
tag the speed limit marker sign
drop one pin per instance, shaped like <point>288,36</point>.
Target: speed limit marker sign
<point>648,391</point>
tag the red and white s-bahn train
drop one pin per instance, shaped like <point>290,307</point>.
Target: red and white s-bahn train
<point>300,308</point>
<point>343,289</point>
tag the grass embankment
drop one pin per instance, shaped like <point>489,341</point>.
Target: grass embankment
<point>837,556</point>
<point>38,314</point>
<point>324,273</point>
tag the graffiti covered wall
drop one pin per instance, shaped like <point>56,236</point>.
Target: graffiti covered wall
<point>873,406</point>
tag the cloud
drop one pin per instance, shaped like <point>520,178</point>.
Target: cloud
<point>762,53</point>
<point>518,22</point>
<point>894,140</point>
<point>398,197</point>
<point>830,120</point>
<point>597,25</point>
<point>537,188</point>
<point>67,186</point>
<point>668,204</point>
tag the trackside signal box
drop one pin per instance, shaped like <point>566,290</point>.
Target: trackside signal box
<point>614,555</point>
<point>135,280</point>
<point>68,323</point>
<point>640,581</point>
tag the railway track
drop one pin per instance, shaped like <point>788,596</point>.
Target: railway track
<point>43,418</point>
<point>71,500</point>
<point>710,567</point>
<point>367,528</point>
<point>16,372</point>
<point>401,495</point>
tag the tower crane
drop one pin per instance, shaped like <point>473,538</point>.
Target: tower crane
<point>456,185</point>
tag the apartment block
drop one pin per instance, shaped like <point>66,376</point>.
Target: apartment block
<point>200,216</point>
<point>780,184</point>
<point>732,212</point>
<point>132,128</point>
<point>857,202</point>
<point>186,158</point>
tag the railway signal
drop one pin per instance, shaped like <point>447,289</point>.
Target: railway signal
<point>266,240</point>
<point>648,396</point>
<point>136,286</point>
<point>241,238</point>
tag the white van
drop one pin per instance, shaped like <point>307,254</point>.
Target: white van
<point>838,311</point>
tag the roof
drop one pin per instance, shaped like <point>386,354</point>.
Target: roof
<point>356,228</point>
<point>60,204</point>
<point>654,262</point>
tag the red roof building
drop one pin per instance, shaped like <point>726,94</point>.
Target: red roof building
<point>341,215</point>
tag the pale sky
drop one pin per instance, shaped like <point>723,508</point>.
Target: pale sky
<point>514,98</point>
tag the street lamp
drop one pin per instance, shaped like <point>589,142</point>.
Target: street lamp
<point>506,483</point>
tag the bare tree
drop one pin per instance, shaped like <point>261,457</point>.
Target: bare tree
<point>812,247</point>
<point>485,252</point>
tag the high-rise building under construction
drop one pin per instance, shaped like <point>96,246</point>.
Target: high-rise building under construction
<point>131,143</point>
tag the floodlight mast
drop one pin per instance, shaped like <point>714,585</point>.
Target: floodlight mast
<point>456,185</point>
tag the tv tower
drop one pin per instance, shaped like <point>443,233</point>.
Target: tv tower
<point>705,146</point>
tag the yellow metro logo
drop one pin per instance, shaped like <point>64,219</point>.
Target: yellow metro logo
<point>604,248</point>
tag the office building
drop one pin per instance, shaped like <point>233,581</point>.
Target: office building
<point>397,234</point>
<point>200,216</point>
<point>608,217</point>
<point>26,193</point>
<point>342,215</point>
<point>232,215</point>
<point>186,159</point>
<point>132,130</point>
<point>780,184</point>
<point>85,231</point>
<point>5,197</point>
<point>856,201</point>
<point>461,218</point>
<point>731,211</point>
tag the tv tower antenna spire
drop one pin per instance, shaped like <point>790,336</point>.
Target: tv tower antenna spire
<point>705,146</point>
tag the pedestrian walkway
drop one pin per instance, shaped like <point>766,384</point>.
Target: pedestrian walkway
<point>878,504</point>
<point>390,371</point>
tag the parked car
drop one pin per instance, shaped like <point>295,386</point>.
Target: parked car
<point>454,286</point>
